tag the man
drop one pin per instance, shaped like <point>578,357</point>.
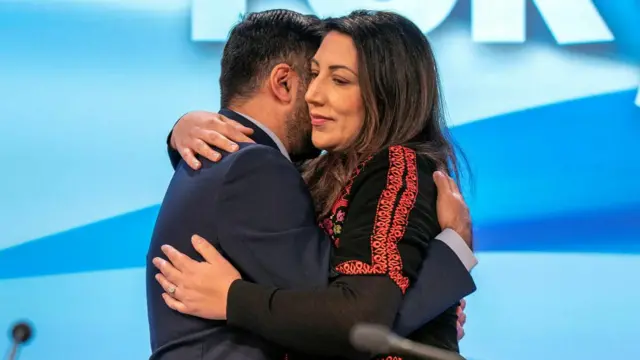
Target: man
<point>254,206</point>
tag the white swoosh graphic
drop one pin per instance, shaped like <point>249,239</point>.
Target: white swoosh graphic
<point>482,81</point>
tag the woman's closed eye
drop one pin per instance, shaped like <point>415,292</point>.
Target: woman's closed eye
<point>340,81</point>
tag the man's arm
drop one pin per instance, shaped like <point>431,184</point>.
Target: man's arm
<point>459,246</point>
<point>442,281</point>
<point>444,275</point>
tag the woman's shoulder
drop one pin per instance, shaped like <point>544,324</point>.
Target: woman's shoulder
<point>395,166</point>
<point>399,158</point>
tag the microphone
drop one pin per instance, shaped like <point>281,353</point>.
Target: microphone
<point>378,339</point>
<point>21,334</point>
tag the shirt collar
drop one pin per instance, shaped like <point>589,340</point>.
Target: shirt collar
<point>273,136</point>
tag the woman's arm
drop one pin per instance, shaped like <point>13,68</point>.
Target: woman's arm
<point>314,322</point>
<point>391,216</point>
<point>196,132</point>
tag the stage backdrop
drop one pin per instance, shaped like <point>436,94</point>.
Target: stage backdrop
<point>542,95</point>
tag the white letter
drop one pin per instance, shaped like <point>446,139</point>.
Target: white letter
<point>427,14</point>
<point>569,21</point>
<point>574,21</point>
<point>499,21</point>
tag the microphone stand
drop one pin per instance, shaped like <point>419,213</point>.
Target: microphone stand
<point>378,339</point>
<point>21,334</point>
<point>13,352</point>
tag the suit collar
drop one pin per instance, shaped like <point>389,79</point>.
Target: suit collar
<point>263,138</point>
<point>259,135</point>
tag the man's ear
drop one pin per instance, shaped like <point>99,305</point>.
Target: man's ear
<point>281,82</point>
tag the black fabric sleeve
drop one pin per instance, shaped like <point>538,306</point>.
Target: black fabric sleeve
<point>314,322</point>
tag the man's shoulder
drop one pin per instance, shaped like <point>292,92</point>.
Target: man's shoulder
<point>248,156</point>
<point>258,169</point>
<point>257,161</point>
<point>255,152</point>
<point>251,168</point>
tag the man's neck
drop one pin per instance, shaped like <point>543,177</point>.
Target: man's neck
<point>265,116</point>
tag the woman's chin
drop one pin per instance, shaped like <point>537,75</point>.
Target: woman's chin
<point>321,142</point>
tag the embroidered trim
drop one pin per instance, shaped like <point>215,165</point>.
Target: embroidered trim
<point>391,220</point>
<point>333,223</point>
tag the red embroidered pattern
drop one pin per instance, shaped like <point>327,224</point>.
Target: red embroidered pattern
<point>390,220</point>
<point>333,223</point>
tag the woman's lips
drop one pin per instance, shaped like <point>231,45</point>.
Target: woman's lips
<point>318,120</point>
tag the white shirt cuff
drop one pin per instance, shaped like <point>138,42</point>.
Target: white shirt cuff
<point>459,247</point>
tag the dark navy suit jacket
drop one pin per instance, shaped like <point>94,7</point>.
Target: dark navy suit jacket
<point>255,208</point>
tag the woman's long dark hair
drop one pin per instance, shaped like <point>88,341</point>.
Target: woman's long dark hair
<point>401,93</point>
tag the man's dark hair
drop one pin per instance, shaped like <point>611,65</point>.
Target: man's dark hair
<point>261,41</point>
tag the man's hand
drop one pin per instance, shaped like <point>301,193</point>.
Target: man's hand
<point>196,129</point>
<point>462,318</point>
<point>453,212</point>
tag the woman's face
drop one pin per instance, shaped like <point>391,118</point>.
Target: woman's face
<point>334,98</point>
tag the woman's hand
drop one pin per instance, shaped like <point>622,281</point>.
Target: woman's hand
<point>196,129</point>
<point>196,288</point>
<point>462,318</point>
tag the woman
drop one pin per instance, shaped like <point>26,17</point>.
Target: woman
<point>374,106</point>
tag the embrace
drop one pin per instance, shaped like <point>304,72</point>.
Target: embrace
<point>319,196</point>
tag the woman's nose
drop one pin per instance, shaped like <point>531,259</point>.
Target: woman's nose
<point>313,95</point>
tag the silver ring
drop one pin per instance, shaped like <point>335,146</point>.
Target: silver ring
<point>171,290</point>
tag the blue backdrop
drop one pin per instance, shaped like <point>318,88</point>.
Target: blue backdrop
<point>542,95</point>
